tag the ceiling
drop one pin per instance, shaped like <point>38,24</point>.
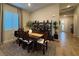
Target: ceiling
<point>32,8</point>
<point>35,6</point>
<point>67,10</point>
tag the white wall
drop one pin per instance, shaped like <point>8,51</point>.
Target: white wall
<point>50,12</point>
<point>25,19</point>
<point>68,20</point>
<point>76,21</point>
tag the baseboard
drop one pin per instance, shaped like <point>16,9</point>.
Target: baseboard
<point>76,35</point>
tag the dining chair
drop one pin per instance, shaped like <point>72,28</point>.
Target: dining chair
<point>43,44</point>
<point>27,42</point>
<point>16,34</point>
<point>20,39</point>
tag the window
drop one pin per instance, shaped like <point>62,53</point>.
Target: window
<point>10,21</point>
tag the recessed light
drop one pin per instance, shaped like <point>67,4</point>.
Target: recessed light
<point>68,6</point>
<point>29,4</point>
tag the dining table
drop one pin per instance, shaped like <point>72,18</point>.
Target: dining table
<point>35,35</point>
<point>38,41</point>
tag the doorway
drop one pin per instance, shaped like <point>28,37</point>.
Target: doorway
<point>62,26</point>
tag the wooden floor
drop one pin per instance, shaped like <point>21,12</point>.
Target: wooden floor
<point>66,45</point>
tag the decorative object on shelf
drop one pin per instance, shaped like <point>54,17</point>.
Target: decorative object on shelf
<point>43,27</point>
<point>55,30</point>
<point>72,28</point>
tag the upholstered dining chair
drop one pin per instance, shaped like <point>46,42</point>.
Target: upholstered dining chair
<point>43,44</point>
<point>27,42</point>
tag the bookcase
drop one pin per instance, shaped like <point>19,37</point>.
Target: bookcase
<point>43,27</point>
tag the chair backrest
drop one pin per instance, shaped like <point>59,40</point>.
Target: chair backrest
<point>21,34</point>
<point>25,36</point>
<point>16,34</point>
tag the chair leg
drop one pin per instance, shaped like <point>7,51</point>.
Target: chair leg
<point>19,43</point>
<point>28,48</point>
<point>46,45</point>
<point>23,46</point>
<point>43,50</point>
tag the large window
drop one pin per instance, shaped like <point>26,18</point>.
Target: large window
<point>10,21</point>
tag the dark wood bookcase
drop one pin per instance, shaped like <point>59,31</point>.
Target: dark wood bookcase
<point>43,27</point>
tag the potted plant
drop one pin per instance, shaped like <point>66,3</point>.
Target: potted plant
<point>29,24</point>
<point>55,30</point>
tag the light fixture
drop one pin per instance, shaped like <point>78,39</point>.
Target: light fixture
<point>68,6</point>
<point>64,15</point>
<point>29,4</point>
